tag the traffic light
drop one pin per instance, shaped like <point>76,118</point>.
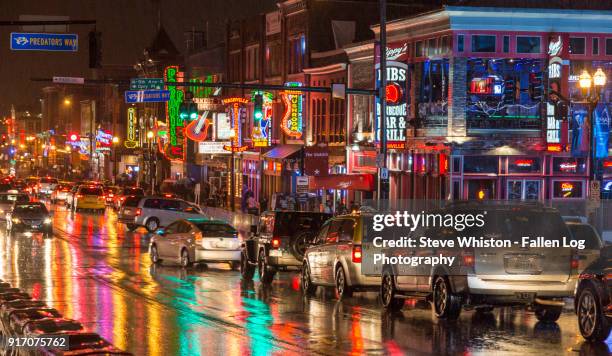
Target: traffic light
<point>95,49</point>
<point>73,137</point>
<point>188,111</point>
<point>258,106</point>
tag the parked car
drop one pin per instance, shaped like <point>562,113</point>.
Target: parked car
<point>52,326</point>
<point>17,319</point>
<point>47,186</point>
<point>7,200</point>
<point>334,258</point>
<point>89,197</point>
<point>30,216</point>
<point>83,343</point>
<point>278,242</point>
<point>153,212</point>
<point>61,192</point>
<point>593,243</point>
<point>196,240</point>
<point>593,300</point>
<point>120,196</point>
<point>484,278</point>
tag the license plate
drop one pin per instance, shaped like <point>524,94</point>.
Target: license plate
<point>526,296</point>
<point>523,264</point>
<point>276,253</point>
<point>221,244</point>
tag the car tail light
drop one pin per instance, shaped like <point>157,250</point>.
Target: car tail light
<point>110,195</point>
<point>168,195</point>
<point>356,255</point>
<point>276,242</point>
<point>138,211</point>
<point>122,198</point>
<point>79,196</point>
<point>575,262</point>
<point>468,259</point>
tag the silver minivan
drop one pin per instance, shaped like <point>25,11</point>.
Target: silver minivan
<point>485,277</point>
<point>154,211</point>
<point>334,258</point>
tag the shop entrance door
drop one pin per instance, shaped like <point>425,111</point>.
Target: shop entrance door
<point>481,189</point>
<point>524,189</point>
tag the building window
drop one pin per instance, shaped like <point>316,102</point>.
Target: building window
<point>418,49</point>
<point>569,165</point>
<point>577,45</point>
<point>528,44</point>
<point>297,50</point>
<point>460,43</point>
<point>504,94</point>
<point>362,118</point>
<point>524,165</point>
<point>252,63</point>
<point>567,189</point>
<point>595,45</point>
<point>234,66</point>
<point>432,50</point>
<point>480,164</point>
<point>445,44</point>
<point>506,44</point>
<point>432,105</point>
<point>273,59</point>
<point>483,43</point>
<point>608,46</point>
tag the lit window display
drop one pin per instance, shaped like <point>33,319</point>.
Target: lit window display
<point>504,93</point>
<point>432,103</point>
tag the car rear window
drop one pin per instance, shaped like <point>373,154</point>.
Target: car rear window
<point>91,191</point>
<point>4,198</point>
<point>152,203</point>
<point>30,208</point>
<point>49,180</point>
<point>133,191</point>
<point>586,233</point>
<point>131,201</point>
<point>289,223</point>
<point>222,230</point>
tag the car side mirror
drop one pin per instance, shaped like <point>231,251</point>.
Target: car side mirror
<point>160,232</point>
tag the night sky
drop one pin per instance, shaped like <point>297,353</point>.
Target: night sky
<point>127,27</point>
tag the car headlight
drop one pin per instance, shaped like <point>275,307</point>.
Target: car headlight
<point>16,220</point>
<point>47,221</point>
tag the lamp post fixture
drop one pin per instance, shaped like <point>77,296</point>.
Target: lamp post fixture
<point>592,87</point>
<point>232,200</point>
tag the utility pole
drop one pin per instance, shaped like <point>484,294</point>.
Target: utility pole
<point>383,184</point>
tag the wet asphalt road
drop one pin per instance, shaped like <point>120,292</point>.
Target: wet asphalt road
<point>95,271</point>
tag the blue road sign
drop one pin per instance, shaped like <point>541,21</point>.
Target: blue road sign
<point>146,96</point>
<point>63,42</point>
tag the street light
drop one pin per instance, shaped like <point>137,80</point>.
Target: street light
<point>587,82</point>
<point>150,135</point>
<point>67,102</point>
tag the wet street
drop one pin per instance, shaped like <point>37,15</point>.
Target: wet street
<point>95,271</point>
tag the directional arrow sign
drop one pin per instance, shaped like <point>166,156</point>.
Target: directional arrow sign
<point>146,96</point>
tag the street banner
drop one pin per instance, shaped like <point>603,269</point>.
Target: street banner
<point>580,131</point>
<point>602,130</point>
<point>316,161</point>
<point>57,42</point>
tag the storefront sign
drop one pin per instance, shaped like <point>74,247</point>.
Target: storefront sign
<point>291,123</point>
<point>261,135</point>
<point>174,149</point>
<point>213,147</point>
<point>301,185</point>
<point>523,162</point>
<point>273,22</point>
<point>235,107</point>
<point>316,161</point>
<point>556,115</point>
<point>567,189</point>
<point>396,93</point>
<point>131,140</point>
<point>364,182</point>
<point>580,127</point>
<point>602,130</point>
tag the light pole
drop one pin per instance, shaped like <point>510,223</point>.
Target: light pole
<point>115,142</point>
<point>591,87</point>
<point>151,179</point>
<point>232,200</point>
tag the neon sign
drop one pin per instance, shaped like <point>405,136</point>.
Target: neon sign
<point>131,140</point>
<point>174,149</point>
<point>568,167</point>
<point>236,111</point>
<point>261,134</point>
<point>396,96</point>
<point>291,124</point>
<point>523,162</point>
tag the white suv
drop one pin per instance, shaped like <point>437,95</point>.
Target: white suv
<point>153,212</point>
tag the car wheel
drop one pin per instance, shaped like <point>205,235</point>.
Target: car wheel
<point>185,262</point>
<point>388,294</point>
<point>343,290</point>
<point>152,224</point>
<point>308,288</point>
<point>155,255</point>
<point>247,270</point>
<point>131,227</point>
<point>593,324</point>
<point>547,313</point>
<point>446,304</point>
<point>266,273</point>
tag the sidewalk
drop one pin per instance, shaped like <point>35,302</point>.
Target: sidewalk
<point>241,221</point>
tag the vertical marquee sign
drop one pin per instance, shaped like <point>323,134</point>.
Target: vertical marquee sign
<point>175,148</point>
<point>262,128</point>
<point>396,94</point>
<point>131,140</point>
<point>236,107</point>
<point>291,124</point>
<point>556,109</point>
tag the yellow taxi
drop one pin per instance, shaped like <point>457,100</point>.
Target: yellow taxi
<point>89,197</point>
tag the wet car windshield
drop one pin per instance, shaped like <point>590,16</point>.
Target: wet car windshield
<point>91,191</point>
<point>216,229</point>
<point>30,208</point>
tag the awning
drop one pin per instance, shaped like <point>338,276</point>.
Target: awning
<point>363,182</point>
<point>282,151</point>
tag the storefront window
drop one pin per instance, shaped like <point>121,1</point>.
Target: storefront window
<point>480,164</point>
<point>432,103</point>
<point>524,165</point>
<point>567,189</point>
<point>569,165</point>
<point>577,45</point>
<point>504,94</point>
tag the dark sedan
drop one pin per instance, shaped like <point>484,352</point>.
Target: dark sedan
<point>30,216</point>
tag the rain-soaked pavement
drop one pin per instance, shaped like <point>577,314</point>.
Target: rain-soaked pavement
<point>95,271</point>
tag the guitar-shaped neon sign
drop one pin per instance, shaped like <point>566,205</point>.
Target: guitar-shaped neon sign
<point>197,130</point>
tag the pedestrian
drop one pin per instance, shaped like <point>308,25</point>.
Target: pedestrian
<point>263,203</point>
<point>328,207</point>
<point>196,194</point>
